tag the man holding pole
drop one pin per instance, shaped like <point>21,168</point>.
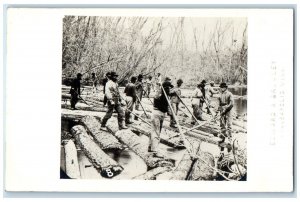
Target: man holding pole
<point>225,108</point>
<point>160,109</point>
<point>139,91</point>
<point>175,100</point>
<point>130,99</point>
<point>75,91</point>
<point>113,101</point>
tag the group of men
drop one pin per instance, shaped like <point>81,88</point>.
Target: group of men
<point>166,101</point>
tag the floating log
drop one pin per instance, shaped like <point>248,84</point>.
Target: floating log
<point>103,138</point>
<point>71,160</point>
<point>133,142</point>
<point>203,167</point>
<point>76,115</point>
<point>101,161</point>
<point>170,139</point>
<point>151,174</point>
<point>185,165</point>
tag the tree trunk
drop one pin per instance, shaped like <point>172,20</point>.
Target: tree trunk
<point>104,139</point>
<point>71,160</point>
<point>134,142</point>
<point>102,162</point>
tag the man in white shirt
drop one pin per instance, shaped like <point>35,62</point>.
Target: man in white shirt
<point>113,101</point>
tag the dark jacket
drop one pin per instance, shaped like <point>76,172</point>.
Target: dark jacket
<point>161,102</point>
<point>75,87</point>
<point>130,91</point>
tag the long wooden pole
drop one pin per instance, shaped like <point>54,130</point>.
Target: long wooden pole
<point>179,127</point>
<point>142,106</point>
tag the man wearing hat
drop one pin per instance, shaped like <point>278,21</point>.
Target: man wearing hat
<point>197,101</point>
<point>75,91</point>
<point>161,107</point>
<point>113,101</point>
<point>175,94</point>
<point>139,91</point>
<point>225,108</point>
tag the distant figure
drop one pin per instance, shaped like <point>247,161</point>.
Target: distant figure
<point>139,91</point>
<point>157,80</point>
<point>197,101</point>
<point>149,85</point>
<point>94,83</point>
<point>113,101</point>
<point>75,91</point>
<point>209,93</point>
<point>225,107</point>
<point>158,114</point>
<point>210,90</point>
<point>105,80</point>
<point>175,95</point>
<point>130,93</point>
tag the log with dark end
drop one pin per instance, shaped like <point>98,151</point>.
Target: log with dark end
<point>100,160</point>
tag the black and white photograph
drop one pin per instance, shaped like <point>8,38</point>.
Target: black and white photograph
<point>154,98</point>
<point>149,100</point>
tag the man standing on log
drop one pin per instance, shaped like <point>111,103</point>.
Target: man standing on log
<point>113,101</point>
<point>105,80</point>
<point>158,114</point>
<point>130,92</point>
<point>149,85</point>
<point>139,91</point>
<point>175,94</point>
<point>197,100</point>
<point>225,108</point>
<point>75,91</point>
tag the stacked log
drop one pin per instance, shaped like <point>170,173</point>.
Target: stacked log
<point>71,160</point>
<point>152,174</point>
<point>101,161</point>
<point>133,142</point>
<point>104,139</point>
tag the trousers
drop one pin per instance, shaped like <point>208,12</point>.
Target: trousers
<point>226,120</point>
<point>156,126</point>
<point>140,96</point>
<point>130,104</point>
<point>175,107</point>
<point>118,108</point>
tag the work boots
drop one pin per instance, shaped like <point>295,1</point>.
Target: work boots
<point>122,126</point>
